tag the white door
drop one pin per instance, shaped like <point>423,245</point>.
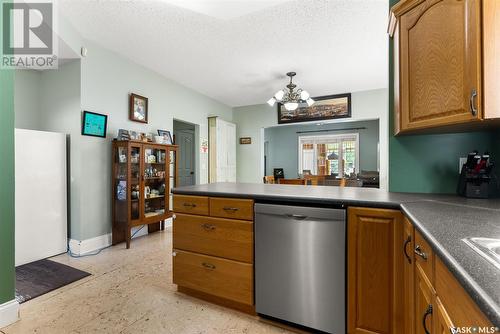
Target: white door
<point>41,201</point>
<point>226,151</point>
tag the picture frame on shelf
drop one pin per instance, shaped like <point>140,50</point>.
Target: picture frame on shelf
<point>138,108</point>
<point>94,124</point>
<point>167,136</point>
<point>123,134</point>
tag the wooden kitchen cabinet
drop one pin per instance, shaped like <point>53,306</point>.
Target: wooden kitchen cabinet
<point>408,277</point>
<point>442,77</point>
<point>442,321</point>
<point>213,250</point>
<point>434,301</point>
<point>375,271</point>
<point>424,303</point>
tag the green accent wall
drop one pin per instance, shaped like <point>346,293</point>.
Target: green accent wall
<point>429,163</point>
<point>7,274</point>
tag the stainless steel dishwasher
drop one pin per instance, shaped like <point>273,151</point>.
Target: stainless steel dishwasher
<point>300,265</point>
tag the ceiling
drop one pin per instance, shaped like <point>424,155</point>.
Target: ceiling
<point>238,51</point>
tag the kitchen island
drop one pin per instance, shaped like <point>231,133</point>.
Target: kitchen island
<point>441,221</point>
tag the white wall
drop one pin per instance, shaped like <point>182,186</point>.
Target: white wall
<point>366,105</point>
<point>101,82</point>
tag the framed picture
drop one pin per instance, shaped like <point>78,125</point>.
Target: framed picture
<point>94,124</point>
<point>138,108</point>
<point>324,108</point>
<point>245,140</point>
<point>168,137</point>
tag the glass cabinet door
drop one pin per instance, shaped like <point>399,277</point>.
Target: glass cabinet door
<point>135,182</point>
<point>155,182</point>
<point>120,174</point>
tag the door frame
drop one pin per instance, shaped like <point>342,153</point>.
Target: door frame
<point>196,127</point>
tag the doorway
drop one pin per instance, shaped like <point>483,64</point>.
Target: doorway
<point>185,137</point>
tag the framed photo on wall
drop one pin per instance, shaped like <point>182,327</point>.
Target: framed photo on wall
<point>94,124</point>
<point>324,108</point>
<point>138,108</point>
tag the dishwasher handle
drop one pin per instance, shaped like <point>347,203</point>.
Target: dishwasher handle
<point>296,217</point>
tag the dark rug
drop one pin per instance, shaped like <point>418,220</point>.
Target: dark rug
<point>37,278</point>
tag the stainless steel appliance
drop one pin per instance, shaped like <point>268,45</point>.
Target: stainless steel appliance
<point>300,265</point>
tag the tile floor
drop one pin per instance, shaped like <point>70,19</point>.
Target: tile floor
<point>129,291</point>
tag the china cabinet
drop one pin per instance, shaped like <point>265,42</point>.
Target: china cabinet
<point>143,176</point>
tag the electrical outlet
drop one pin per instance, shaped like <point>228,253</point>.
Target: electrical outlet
<point>461,162</point>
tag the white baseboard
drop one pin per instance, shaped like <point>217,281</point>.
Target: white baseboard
<point>82,247</point>
<point>9,313</point>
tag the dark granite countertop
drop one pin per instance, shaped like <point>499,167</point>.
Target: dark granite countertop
<point>443,220</point>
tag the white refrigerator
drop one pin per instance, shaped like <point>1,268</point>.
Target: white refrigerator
<point>41,195</point>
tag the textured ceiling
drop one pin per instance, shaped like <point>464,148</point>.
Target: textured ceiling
<point>239,55</point>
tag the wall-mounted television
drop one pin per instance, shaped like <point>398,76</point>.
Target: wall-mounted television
<point>94,124</point>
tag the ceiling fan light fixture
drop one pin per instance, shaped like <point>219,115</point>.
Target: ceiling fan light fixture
<point>279,95</point>
<point>291,106</point>
<point>291,96</point>
<point>271,101</point>
<point>304,95</point>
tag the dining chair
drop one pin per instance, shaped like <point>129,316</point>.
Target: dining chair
<point>269,179</point>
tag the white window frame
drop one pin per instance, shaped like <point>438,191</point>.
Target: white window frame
<point>324,139</point>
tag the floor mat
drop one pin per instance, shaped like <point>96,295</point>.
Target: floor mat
<point>37,278</point>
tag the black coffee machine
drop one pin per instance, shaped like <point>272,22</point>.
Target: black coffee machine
<point>476,176</point>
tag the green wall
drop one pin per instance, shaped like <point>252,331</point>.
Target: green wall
<point>429,163</point>
<point>7,275</point>
<point>283,144</point>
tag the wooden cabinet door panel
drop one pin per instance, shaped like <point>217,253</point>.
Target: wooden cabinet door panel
<point>374,271</point>
<point>440,64</point>
<point>408,277</point>
<point>442,321</point>
<point>424,308</point>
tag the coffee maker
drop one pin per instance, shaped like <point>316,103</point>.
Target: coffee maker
<point>476,176</point>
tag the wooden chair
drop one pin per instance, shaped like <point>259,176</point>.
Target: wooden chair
<point>269,179</point>
<point>293,181</point>
<point>315,180</point>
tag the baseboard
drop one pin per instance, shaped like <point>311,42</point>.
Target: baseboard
<point>9,313</point>
<point>82,247</point>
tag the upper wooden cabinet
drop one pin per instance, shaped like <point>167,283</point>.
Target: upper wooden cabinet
<point>439,63</point>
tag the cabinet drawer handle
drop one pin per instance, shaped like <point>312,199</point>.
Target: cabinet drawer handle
<point>424,318</point>
<point>473,109</point>
<point>407,242</point>
<point>226,208</point>
<point>208,265</point>
<point>420,253</point>
<point>190,205</point>
<point>208,227</point>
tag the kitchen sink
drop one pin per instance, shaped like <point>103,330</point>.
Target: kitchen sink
<point>488,248</point>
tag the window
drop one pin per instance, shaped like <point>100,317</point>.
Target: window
<point>329,154</point>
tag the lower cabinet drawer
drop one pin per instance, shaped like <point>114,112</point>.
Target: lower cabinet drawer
<point>215,276</point>
<point>227,238</point>
<point>196,205</point>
